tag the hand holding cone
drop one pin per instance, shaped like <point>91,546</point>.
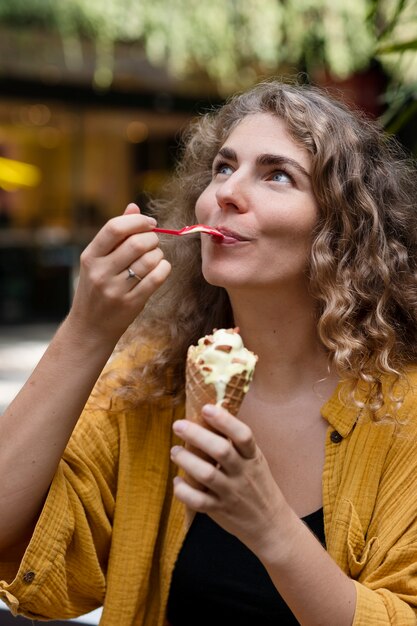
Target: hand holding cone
<point>219,370</point>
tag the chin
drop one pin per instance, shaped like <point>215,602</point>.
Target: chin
<point>215,279</point>
<point>227,281</point>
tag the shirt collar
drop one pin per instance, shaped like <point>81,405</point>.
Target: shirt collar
<point>340,411</point>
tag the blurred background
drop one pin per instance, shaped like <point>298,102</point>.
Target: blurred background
<point>94,95</point>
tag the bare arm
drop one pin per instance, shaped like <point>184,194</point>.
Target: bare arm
<point>35,428</point>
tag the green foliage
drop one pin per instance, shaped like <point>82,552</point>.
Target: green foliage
<point>396,47</point>
<point>234,42</point>
<point>231,40</point>
<point>396,36</point>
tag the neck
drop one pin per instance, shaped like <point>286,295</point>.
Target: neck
<point>283,333</point>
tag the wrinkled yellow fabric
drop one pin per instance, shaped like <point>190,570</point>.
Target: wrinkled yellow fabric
<point>110,530</point>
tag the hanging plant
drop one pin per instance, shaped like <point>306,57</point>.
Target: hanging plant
<point>230,41</point>
<point>234,43</point>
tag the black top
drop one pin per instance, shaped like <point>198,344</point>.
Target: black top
<point>218,581</point>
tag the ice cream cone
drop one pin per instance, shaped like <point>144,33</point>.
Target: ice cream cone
<point>199,392</point>
<point>212,378</point>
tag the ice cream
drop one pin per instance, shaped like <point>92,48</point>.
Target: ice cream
<point>219,371</point>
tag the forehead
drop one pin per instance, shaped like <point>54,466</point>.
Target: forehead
<point>264,133</point>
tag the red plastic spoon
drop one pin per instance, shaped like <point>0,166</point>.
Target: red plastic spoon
<point>189,230</point>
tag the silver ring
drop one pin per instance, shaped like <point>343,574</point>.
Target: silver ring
<point>132,274</point>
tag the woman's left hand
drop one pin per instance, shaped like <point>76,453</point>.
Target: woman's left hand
<point>239,492</point>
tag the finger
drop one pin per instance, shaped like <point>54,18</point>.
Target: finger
<point>134,251</point>
<point>112,269</point>
<point>131,209</point>
<point>141,267</point>
<point>195,499</point>
<point>145,288</point>
<point>234,429</point>
<point>132,275</point>
<point>214,446</point>
<point>203,472</point>
<point>116,230</point>
<point>137,270</point>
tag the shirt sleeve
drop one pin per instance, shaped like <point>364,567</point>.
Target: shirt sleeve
<point>64,569</point>
<point>62,573</point>
<point>387,586</point>
<point>381,608</point>
<point>386,594</point>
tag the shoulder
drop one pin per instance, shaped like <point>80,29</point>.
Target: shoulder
<point>110,403</point>
<point>407,395</point>
<point>123,379</point>
<point>130,357</point>
<point>402,454</point>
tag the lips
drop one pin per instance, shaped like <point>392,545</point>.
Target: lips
<point>231,236</point>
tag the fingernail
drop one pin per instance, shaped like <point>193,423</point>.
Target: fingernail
<point>175,450</point>
<point>179,426</point>
<point>210,410</point>
<point>152,221</point>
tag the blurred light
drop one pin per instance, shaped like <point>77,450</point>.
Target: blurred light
<point>32,115</point>
<point>39,114</point>
<point>136,132</point>
<point>49,137</point>
<point>15,174</point>
<point>103,78</point>
<point>24,115</point>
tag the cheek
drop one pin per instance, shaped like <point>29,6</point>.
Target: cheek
<point>297,220</point>
<point>198,212</point>
<point>201,207</point>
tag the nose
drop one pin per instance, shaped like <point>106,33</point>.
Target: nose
<point>231,195</point>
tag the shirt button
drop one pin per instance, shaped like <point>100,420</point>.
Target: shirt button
<point>28,577</point>
<point>335,437</point>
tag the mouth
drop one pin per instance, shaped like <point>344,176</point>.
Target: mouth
<point>230,236</point>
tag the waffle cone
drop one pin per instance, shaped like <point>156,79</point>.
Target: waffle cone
<point>198,393</point>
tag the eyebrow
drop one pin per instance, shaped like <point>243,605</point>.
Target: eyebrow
<point>265,159</point>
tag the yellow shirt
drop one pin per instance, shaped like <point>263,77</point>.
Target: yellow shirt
<point>110,530</point>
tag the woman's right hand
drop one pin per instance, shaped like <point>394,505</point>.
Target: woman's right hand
<point>107,299</point>
<point>40,420</point>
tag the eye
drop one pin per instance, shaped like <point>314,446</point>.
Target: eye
<point>281,176</point>
<point>222,168</point>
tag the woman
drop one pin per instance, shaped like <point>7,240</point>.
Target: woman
<point>319,274</point>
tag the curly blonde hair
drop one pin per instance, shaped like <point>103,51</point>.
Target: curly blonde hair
<point>364,250</point>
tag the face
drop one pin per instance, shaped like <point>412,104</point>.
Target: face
<point>261,198</point>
